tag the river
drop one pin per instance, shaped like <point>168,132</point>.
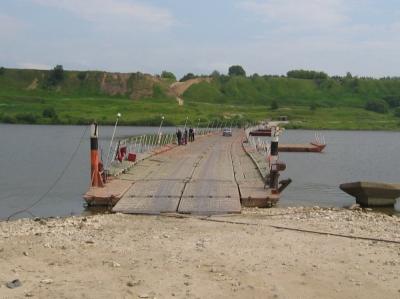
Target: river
<point>32,157</point>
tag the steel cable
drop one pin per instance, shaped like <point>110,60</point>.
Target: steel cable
<point>26,210</point>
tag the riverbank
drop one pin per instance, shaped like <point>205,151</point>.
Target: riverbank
<point>238,256</point>
<point>81,111</point>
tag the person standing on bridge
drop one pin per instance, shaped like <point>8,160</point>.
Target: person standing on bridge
<point>191,135</point>
<point>185,137</point>
<point>179,136</point>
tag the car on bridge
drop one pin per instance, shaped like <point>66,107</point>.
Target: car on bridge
<point>227,132</point>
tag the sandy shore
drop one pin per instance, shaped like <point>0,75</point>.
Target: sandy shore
<point>240,256</point>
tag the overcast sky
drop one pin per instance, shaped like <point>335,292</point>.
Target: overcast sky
<point>264,36</point>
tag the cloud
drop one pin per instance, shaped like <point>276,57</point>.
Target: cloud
<point>303,14</point>
<point>101,11</point>
<point>33,66</point>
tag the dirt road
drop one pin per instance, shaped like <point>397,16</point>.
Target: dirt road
<point>241,256</point>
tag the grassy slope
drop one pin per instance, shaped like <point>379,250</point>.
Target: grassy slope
<point>81,101</point>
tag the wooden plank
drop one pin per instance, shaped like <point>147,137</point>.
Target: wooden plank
<point>111,193</point>
<point>151,197</point>
<point>210,197</point>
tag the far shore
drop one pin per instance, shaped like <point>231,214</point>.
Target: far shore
<point>177,125</point>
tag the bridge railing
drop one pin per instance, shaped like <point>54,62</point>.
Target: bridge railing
<point>123,150</point>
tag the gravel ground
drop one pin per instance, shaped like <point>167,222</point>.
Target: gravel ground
<point>236,256</point>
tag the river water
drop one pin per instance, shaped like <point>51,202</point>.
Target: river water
<point>32,157</point>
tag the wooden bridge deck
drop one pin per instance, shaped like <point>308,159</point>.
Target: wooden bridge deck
<point>204,177</point>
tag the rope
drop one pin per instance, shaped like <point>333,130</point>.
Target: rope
<point>285,228</point>
<point>26,210</point>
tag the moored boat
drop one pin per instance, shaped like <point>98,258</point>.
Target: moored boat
<point>312,147</point>
<point>261,132</point>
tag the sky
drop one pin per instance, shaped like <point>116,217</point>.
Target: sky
<point>181,36</point>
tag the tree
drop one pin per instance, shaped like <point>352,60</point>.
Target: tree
<point>393,101</point>
<point>215,74</point>
<point>304,74</point>
<point>2,70</point>
<point>168,75</point>
<point>236,70</point>
<point>274,105</point>
<point>56,75</point>
<point>188,76</point>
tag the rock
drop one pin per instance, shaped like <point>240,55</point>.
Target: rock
<point>355,206</point>
<point>25,253</point>
<point>143,296</point>
<point>28,295</point>
<point>14,284</point>
<point>47,281</point>
<point>115,264</point>
<point>133,283</point>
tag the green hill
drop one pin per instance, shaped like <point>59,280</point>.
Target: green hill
<point>310,99</point>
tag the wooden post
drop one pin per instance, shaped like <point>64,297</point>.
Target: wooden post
<point>96,179</point>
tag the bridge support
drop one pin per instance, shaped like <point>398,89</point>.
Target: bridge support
<point>95,165</point>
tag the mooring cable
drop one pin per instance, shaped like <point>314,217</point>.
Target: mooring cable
<point>26,210</point>
<point>208,218</point>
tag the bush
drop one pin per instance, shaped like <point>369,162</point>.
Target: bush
<point>313,106</point>
<point>379,106</point>
<point>397,112</point>
<point>27,118</point>
<point>8,119</point>
<point>158,92</point>
<point>82,75</point>
<point>2,70</point>
<point>274,105</point>
<point>49,113</point>
<point>187,77</point>
<point>393,101</point>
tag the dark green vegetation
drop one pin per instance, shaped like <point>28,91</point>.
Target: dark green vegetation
<point>310,99</point>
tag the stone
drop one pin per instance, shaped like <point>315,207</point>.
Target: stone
<point>47,281</point>
<point>14,284</point>
<point>133,283</point>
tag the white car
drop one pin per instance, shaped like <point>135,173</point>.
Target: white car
<point>227,132</point>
